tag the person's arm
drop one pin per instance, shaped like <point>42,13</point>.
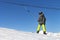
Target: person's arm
<point>44,20</point>
<point>39,19</point>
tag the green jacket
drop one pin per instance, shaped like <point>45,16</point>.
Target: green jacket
<point>41,19</point>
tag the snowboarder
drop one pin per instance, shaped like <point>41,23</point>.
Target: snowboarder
<point>41,22</point>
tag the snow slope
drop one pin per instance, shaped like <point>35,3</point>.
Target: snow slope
<point>10,34</point>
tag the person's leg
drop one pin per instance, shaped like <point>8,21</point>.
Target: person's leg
<point>38,28</point>
<point>44,28</point>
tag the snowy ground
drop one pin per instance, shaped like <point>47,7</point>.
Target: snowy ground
<point>10,34</point>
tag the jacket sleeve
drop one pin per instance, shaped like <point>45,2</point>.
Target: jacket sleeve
<point>39,19</point>
<point>44,20</point>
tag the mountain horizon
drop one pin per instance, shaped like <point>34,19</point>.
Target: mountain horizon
<point>11,34</point>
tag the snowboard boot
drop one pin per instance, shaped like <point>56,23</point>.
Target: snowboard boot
<point>45,33</point>
<point>37,31</point>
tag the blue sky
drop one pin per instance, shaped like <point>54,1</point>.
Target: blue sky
<point>17,17</point>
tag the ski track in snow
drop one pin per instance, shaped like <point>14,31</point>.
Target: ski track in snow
<point>10,34</point>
